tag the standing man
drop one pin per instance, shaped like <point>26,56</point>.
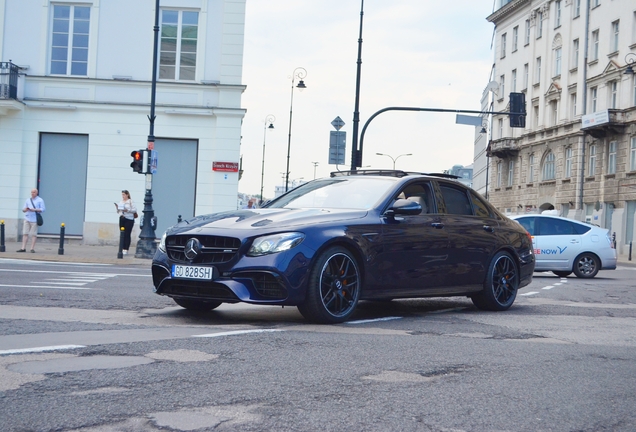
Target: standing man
<point>33,205</point>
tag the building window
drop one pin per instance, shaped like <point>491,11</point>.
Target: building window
<point>514,81</point>
<point>568,162</point>
<point>596,3</point>
<point>573,105</point>
<point>515,38</point>
<point>498,174</point>
<point>69,40</point>
<point>557,61</point>
<point>611,158</point>
<point>591,169</point>
<point>593,99</point>
<point>632,155</point>
<point>634,92</point>
<point>502,86</point>
<point>537,78</point>
<point>178,58</point>
<point>531,168</point>
<point>554,113</point>
<point>577,8</point>
<point>557,12</point>
<point>503,45</point>
<point>536,116</point>
<point>613,102</point>
<point>614,41</point>
<point>575,53</point>
<point>526,74</point>
<point>595,45</point>
<point>539,24</point>
<point>511,172</point>
<point>527,28</point>
<point>548,167</point>
<point>500,124</point>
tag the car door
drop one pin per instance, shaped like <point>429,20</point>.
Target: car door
<point>471,233</point>
<point>414,252</point>
<point>557,243</point>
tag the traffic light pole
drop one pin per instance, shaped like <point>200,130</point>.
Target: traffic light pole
<point>147,246</point>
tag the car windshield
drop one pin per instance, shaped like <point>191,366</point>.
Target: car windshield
<point>340,193</point>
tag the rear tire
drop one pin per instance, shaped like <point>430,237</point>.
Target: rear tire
<point>586,266</point>
<point>500,286</point>
<point>333,288</point>
<point>197,305</point>
<point>562,273</point>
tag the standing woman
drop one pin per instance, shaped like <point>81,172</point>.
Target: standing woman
<point>127,214</point>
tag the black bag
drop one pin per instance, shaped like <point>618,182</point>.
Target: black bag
<point>38,216</point>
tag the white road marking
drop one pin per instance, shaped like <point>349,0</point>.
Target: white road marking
<point>41,349</point>
<point>372,320</point>
<point>549,287</point>
<point>529,293</point>
<point>45,287</point>
<point>236,332</point>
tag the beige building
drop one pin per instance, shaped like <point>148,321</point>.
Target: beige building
<point>574,60</point>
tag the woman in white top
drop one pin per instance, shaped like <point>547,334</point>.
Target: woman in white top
<point>127,213</point>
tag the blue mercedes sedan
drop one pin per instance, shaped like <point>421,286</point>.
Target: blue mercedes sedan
<point>357,235</point>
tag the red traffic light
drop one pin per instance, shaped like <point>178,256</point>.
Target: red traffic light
<point>138,161</point>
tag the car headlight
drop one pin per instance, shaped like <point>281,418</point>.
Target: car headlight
<point>162,243</point>
<point>275,243</point>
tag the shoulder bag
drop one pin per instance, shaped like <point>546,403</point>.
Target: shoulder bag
<point>38,216</point>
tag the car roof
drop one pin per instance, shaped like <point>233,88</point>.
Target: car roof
<point>390,173</point>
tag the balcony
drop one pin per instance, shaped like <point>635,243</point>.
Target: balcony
<point>9,88</point>
<point>503,148</point>
<point>603,123</point>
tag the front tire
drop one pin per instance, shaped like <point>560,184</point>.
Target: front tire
<point>333,288</point>
<point>197,305</point>
<point>586,266</point>
<point>500,286</point>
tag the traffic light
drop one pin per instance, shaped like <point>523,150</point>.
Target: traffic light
<point>517,110</point>
<point>138,161</point>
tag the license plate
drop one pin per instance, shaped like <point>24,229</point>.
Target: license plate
<point>192,272</point>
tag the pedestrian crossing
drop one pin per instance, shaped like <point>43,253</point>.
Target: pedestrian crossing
<point>54,279</point>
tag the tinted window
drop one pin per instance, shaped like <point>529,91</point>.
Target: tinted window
<point>528,224</point>
<point>456,201</point>
<point>580,228</point>
<point>549,226</point>
<point>480,207</point>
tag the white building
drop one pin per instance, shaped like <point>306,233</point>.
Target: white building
<point>574,61</point>
<point>79,104</point>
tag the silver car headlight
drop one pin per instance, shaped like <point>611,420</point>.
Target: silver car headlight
<point>162,243</point>
<point>275,243</point>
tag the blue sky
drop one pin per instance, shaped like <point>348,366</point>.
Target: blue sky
<point>415,53</point>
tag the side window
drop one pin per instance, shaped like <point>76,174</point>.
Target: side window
<point>549,226</point>
<point>581,229</point>
<point>481,209</point>
<point>421,194</point>
<point>456,200</point>
<point>528,224</point>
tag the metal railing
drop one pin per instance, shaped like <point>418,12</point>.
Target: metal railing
<point>8,80</point>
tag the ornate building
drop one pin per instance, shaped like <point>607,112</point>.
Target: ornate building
<point>575,62</point>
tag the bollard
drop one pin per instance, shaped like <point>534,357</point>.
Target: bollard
<point>120,254</point>
<point>179,219</point>
<point>629,258</point>
<point>60,250</point>
<point>2,248</point>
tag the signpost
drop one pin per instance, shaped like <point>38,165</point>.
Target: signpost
<point>337,143</point>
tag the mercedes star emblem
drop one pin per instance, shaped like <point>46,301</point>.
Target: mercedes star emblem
<point>192,248</point>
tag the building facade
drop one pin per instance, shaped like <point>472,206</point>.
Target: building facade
<point>574,60</point>
<point>75,95</point>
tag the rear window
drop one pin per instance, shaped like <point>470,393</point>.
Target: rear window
<point>456,201</point>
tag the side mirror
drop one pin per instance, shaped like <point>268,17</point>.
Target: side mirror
<point>404,207</point>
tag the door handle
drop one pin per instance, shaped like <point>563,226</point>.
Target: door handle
<point>437,225</point>
<point>489,228</point>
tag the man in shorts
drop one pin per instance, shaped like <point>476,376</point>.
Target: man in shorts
<point>33,205</point>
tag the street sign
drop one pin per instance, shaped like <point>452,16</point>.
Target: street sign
<point>337,123</point>
<point>337,147</point>
<point>153,161</point>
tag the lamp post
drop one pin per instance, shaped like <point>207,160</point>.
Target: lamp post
<point>630,63</point>
<point>299,73</point>
<point>315,165</point>
<point>269,119</point>
<point>394,159</point>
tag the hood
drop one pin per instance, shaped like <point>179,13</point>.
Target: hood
<point>276,219</point>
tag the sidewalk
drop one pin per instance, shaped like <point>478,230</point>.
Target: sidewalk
<point>47,250</point>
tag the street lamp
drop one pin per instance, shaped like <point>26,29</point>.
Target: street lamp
<point>299,73</point>
<point>630,61</point>
<point>269,119</point>
<point>315,165</point>
<point>394,159</point>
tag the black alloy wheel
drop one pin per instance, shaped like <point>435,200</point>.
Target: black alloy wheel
<point>562,273</point>
<point>500,286</point>
<point>197,305</point>
<point>586,266</point>
<point>333,288</point>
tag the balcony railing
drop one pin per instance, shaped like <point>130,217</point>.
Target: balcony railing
<point>503,148</point>
<point>8,80</point>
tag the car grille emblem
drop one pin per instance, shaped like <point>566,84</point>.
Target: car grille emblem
<point>192,248</point>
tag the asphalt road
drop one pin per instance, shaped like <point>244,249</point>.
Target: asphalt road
<point>91,348</point>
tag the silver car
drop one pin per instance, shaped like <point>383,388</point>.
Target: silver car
<point>563,245</point>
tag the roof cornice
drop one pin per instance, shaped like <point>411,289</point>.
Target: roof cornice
<point>506,10</point>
